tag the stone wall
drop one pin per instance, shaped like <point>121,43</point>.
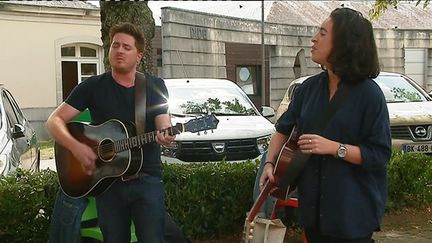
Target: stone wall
<point>38,117</point>
<point>194,46</point>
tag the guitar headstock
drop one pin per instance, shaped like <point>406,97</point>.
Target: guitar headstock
<point>248,231</point>
<point>207,122</point>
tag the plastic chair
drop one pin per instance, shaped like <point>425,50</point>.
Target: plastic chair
<point>89,228</point>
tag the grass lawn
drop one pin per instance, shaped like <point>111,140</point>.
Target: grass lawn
<point>47,149</point>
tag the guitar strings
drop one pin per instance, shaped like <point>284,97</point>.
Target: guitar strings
<point>105,148</point>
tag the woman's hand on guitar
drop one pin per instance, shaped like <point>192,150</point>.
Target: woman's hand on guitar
<point>316,144</point>
<point>86,156</point>
<point>267,174</point>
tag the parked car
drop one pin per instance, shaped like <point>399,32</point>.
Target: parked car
<point>242,133</point>
<point>19,147</point>
<point>410,110</point>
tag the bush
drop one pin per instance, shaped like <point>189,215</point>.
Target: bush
<point>409,180</point>
<point>207,200</point>
<point>26,203</point>
<point>211,199</point>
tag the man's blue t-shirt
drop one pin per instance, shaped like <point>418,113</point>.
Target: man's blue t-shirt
<point>106,99</point>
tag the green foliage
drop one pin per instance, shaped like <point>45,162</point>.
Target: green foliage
<point>209,106</point>
<point>26,203</point>
<point>381,6</point>
<point>46,144</point>
<point>210,199</point>
<point>214,105</point>
<point>237,107</point>
<point>405,95</point>
<point>409,180</point>
<point>207,200</point>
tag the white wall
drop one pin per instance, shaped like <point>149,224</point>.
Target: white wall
<point>415,64</point>
<point>28,57</point>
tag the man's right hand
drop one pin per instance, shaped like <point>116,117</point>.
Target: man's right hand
<point>86,156</point>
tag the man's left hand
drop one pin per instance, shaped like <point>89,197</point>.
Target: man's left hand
<point>163,138</point>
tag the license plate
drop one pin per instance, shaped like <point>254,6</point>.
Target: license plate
<point>417,148</point>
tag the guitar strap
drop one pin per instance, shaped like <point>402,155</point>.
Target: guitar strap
<point>140,102</point>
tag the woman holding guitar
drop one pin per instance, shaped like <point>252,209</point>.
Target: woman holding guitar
<point>342,188</point>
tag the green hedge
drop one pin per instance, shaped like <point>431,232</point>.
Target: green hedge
<point>26,203</point>
<point>207,200</point>
<point>211,199</point>
<point>409,180</point>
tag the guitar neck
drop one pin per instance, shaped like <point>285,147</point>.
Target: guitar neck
<point>141,139</point>
<point>260,200</point>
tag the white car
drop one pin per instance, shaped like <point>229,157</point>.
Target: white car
<point>19,146</point>
<point>242,132</point>
<point>410,110</point>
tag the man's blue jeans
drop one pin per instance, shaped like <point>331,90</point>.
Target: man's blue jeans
<point>66,221</point>
<point>66,218</point>
<point>267,207</point>
<point>141,200</point>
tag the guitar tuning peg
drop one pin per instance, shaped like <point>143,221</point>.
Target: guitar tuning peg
<point>212,131</point>
<point>205,132</point>
<point>198,133</point>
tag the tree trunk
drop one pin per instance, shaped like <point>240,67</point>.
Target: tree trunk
<point>137,13</point>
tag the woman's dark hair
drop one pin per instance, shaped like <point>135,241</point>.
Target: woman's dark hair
<point>354,54</point>
<point>130,29</point>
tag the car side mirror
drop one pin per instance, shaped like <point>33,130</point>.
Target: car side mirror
<point>267,111</point>
<point>18,131</point>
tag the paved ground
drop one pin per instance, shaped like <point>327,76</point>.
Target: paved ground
<point>49,163</point>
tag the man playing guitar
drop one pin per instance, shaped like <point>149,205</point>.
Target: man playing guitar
<point>140,197</point>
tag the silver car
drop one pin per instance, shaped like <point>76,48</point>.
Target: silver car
<point>19,147</point>
<point>410,110</point>
<point>242,133</point>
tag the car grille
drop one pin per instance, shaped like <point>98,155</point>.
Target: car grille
<point>202,151</point>
<point>414,133</point>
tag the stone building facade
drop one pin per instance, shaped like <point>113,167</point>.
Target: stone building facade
<point>38,38</point>
<point>197,44</point>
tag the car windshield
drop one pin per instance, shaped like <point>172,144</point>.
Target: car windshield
<point>398,89</point>
<point>204,100</point>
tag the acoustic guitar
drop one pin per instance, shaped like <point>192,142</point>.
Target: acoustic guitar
<point>288,166</point>
<point>118,149</point>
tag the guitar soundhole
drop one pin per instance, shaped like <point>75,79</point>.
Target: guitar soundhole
<point>106,150</point>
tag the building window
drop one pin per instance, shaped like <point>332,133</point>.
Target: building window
<point>88,52</point>
<point>247,78</point>
<point>85,56</point>
<point>68,51</point>
<point>88,70</point>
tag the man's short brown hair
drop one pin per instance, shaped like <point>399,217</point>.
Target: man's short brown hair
<point>130,29</point>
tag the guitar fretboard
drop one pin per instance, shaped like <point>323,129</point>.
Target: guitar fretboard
<point>140,140</point>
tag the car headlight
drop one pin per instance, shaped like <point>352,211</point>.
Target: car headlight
<point>170,150</point>
<point>263,143</point>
